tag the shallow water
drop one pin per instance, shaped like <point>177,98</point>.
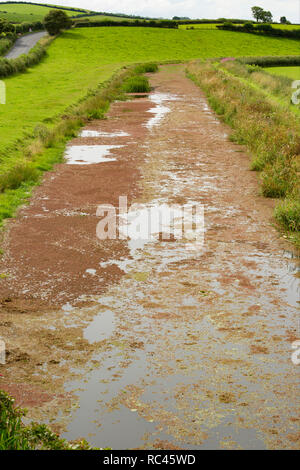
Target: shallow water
<point>89,154</point>
<point>175,334</point>
<point>93,133</point>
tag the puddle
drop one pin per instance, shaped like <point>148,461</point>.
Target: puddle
<point>92,272</point>
<point>100,328</point>
<point>89,154</point>
<point>91,133</point>
<point>159,110</point>
<point>176,362</point>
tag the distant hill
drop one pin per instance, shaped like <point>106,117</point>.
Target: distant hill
<point>19,12</point>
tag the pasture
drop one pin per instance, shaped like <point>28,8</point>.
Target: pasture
<point>19,13</point>
<point>290,72</point>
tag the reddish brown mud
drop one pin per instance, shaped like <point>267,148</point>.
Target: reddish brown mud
<point>163,344</point>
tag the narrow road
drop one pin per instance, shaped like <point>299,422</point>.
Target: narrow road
<point>24,44</point>
<point>166,343</point>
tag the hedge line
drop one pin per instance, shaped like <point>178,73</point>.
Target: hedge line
<point>262,29</point>
<point>206,21</point>
<point>12,66</point>
<point>5,44</point>
<point>147,24</point>
<point>271,61</point>
<point>26,27</point>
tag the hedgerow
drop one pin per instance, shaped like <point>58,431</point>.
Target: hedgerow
<point>262,29</point>
<point>12,66</point>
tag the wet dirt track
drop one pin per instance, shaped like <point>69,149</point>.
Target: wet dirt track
<point>160,346</point>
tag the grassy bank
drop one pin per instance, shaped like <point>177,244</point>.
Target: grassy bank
<point>15,436</point>
<point>267,126</point>
<point>39,152</point>
<point>5,45</point>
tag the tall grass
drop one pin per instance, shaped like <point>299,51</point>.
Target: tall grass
<point>136,84</point>
<point>15,436</point>
<point>47,144</point>
<point>5,45</point>
<point>269,129</point>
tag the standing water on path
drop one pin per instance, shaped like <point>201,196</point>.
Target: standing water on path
<point>194,345</point>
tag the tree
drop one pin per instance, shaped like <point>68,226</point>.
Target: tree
<point>283,20</point>
<point>267,17</point>
<point>261,15</point>
<point>57,20</point>
<point>257,13</point>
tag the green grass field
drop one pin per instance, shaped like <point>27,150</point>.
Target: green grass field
<point>290,72</point>
<point>29,13</point>
<point>286,26</point>
<point>80,59</point>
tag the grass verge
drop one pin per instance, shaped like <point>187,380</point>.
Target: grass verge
<point>15,436</point>
<point>268,128</point>
<point>21,64</point>
<point>47,145</point>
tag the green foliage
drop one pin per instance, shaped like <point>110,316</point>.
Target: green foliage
<point>271,61</point>
<point>15,436</point>
<point>5,45</point>
<point>13,66</point>
<point>57,20</point>
<point>289,72</point>
<point>146,68</point>
<point>257,106</point>
<point>137,84</point>
<point>288,214</point>
<point>17,175</point>
<point>261,15</point>
<point>262,29</point>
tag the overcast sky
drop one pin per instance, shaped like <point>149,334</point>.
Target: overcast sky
<point>191,8</point>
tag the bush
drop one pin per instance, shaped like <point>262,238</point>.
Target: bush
<point>56,21</point>
<point>288,214</point>
<point>15,436</point>
<point>136,84</point>
<point>271,61</point>
<point>146,68</point>
<point>5,45</point>
<point>12,66</point>
<point>265,29</point>
<point>17,175</point>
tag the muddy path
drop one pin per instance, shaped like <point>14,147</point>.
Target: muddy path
<point>159,344</point>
